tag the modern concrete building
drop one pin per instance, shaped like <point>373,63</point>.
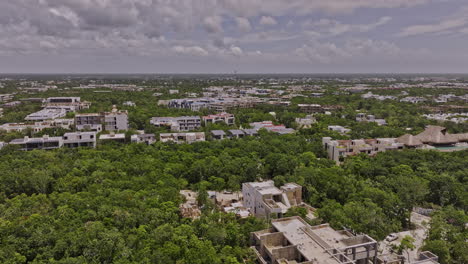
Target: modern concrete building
<point>46,114</point>
<point>219,118</point>
<point>293,241</point>
<point>70,104</point>
<point>339,129</point>
<point>178,124</point>
<point>112,137</point>
<point>311,108</point>
<point>79,139</point>
<point>306,122</point>
<point>339,149</point>
<point>218,134</point>
<point>44,142</point>
<point>268,125</point>
<point>182,137</point>
<point>111,121</point>
<point>6,98</point>
<point>265,200</point>
<point>143,138</point>
<point>37,126</point>
<point>236,133</point>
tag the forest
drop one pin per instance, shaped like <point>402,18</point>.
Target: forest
<point>119,203</point>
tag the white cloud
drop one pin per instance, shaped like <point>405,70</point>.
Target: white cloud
<point>193,50</point>
<point>213,24</point>
<point>236,51</point>
<point>453,22</point>
<point>268,21</point>
<point>329,27</point>
<point>243,24</point>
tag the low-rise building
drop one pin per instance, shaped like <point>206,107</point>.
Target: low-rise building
<point>70,104</point>
<point>11,104</point>
<point>293,241</point>
<point>264,200</point>
<point>44,142</point>
<point>219,118</point>
<point>306,122</point>
<point>236,133</point>
<point>79,139</point>
<point>182,137</point>
<point>311,108</point>
<point>268,125</point>
<point>339,129</point>
<point>6,98</point>
<point>218,134</point>
<point>370,118</point>
<point>46,114</point>
<point>177,124</point>
<point>413,99</point>
<point>115,120</point>
<point>120,138</point>
<point>338,150</point>
<point>143,138</point>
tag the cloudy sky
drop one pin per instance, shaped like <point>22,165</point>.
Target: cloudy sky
<point>223,36</point>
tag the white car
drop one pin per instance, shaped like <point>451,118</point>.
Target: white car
<point>391,237</point>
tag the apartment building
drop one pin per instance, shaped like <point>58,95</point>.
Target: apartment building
<point>293,241</point>
<point>70,104</point>
<point>111,121</point>
<point>46,114</point>
<point>370,118</point>
<point>339,129</point>
<point>268,125</point>
<point>6,98</point>
<point>177,124</point>
<point>339,149</point>
<point>218,134</point>
<point>120,138</point>
<point>311,108</point>
<point>143,138</point>
<point>306,122</point>
<point>79,139</point>
<point>219,118</point>
<point>44,142</point>
<point>182,137</point>
<point>37,126</point>
<point>265,200</point>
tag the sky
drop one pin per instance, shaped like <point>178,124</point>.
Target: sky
<point>227,36</point>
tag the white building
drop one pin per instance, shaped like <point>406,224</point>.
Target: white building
<point>177,124</point>
<point>182,137</point>
<point>46,114</point>
<point>112,137</point>
<point>143,138</point>
<point>339,129</point>
<point>79,139</point>
<point>44,142</point>
<point>265,200</point>
<point>219,118</point>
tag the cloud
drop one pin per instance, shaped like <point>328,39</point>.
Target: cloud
<point>268,21</point>
<point>329,27</point>
<point>243,24</point>
<point>213,24</point>
<point>236,51</point>
<point>193,51</point>
<point>453,22</point>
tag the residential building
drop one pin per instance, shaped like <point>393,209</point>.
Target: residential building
<point>361,117</point>
<point>293,241</point>
<point>236,133</point>
<point>44,142</point>
<point>70,104</point>
<point>37,126</point>
<point>218,134</point>
<point>265,200</point>
<point>182,137</point>
<point>1,112</point>
<point>143,138</point>
<point>413,100</point>
<point>12,104</point>
<point>339,129</point>
<point>6,98</point>
<point>79,139</point>
<point>111,121</point>
<point>46,114</point>
<point>173,91</point>
<point>177,124</point>
<point>311,108</point>
<point>120,138</point>
<point>306,122</point>
<point>219,118</point>
<point>268,125</point>
<point>129,103</point>
<point>339,149</point>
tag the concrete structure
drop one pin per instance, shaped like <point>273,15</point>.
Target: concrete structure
<point>112,137</point>
<point>265,200</point>
<point>413,100</point>
<point>12,104</point>
<point>70,104</point>
<point>268,125</point>
<point>182,137</point>
<point>46,114</point>
<point>143,138</point>
<point>311,108</point>
<point>293,241</point>
<point>219,118</point>
<point>339,129</point>
<point>6,98</point>
<point>79,139</point>
<point>218,134</point>
<point>129,103</point>
<point>37,126</point>
<point>236,133</point>
<point>111,121</point>
<point>306,122</point>
<point>44,142</point>
<point>189,208</point>
<point>370,118</point>
<point>177,124</point>
<point>339,149</point>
